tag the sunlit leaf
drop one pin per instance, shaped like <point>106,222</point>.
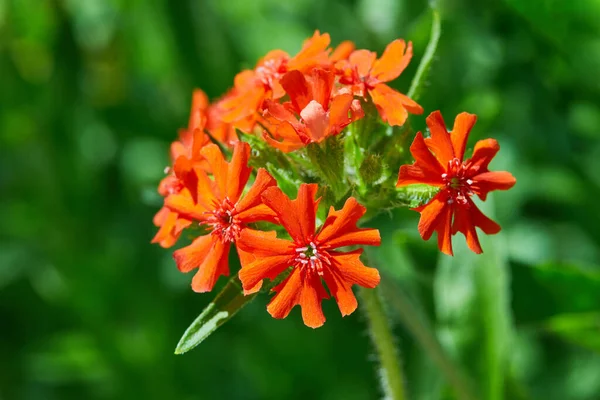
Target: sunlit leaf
<point>227,303</point>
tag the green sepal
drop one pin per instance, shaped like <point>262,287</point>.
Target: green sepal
<point>328,159</point>
<point>416,195</point>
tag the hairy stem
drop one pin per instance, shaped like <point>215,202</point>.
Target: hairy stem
<point>417,83</point>
<point>392,379</point>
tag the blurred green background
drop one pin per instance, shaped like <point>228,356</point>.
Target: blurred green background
<point>93,91</point>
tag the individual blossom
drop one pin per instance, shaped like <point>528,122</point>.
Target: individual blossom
<point>219,206</point>
<point>311,254</point>
<point>365,74</point>
<point>252,87</point>
<point>185,153</point>
<point>312,114</point>
<point>439,162</point>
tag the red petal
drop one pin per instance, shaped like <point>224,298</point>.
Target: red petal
<point>322,85</point>
<point>165,236</point>
<point>313,52</point>
<point>444,234</point>
<point>316,121</point>
<point>393,61</point>
<point>290,138</point>
<point>389,105</point>
<point>340,227</point>
<point>440,142</point>
<point>338,112</point>
<point>488,181</point>
<point>262,268</point>
<point>460,133</point>
<point>431,214</point>
<point>238,171</point>
<point>246,259</point>
<point>345,271</point>
<point>192,256</point>
<point>218,167</point>
<point>297,88</point>
<point>342,51</point>
<point>310,301</point>
<point>257,213</point>
<point>296,216</point>
<point>288,295</point>
<point>183,204</point>
<point>243,104</point>
<point>264,243</point>
<point>411,174</point>
<point>363,61</point>
<point>215,264</point>
<point>425,160</point>
<point>252,198</point>
<point>484,152</point>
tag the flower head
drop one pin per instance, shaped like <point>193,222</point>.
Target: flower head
<point>220,207</point>
<point>311,254</point>
<point>366,74</point>
<point>253,87</point>
<point>439,162</point>
<point>320,114</point>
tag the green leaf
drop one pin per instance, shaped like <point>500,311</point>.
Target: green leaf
<point>473,306</point>
<point>581,329</point>
<point>227,303</point>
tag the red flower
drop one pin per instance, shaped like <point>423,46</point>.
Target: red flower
<point>185,153</point>
<point>311,255</point>
<point>367,74</point>
<point>321,114</point>
<point>252,87</point>
<point>439,162</point>
<point>219,206</point>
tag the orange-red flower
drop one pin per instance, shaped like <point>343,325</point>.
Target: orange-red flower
<point>439,162</point>
<point>219,206</point>
<point>311,254</point>
<point>320,114</point>
<point>252,87</point>
<point>185,153</point>
<point>367,74</point>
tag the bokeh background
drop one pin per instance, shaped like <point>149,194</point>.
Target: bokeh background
<point>93,91</point>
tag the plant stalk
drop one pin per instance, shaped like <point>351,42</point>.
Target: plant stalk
<point>392,379</point>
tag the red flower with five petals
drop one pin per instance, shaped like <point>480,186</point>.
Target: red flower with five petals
<point>439,162</point>
<point>312,255</point>
<point>219,206</point>
<point>367,74</point>
<point>321,114</point>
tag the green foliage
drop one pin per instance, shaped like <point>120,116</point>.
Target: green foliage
<point>228,302</point>
<point>94,91</point>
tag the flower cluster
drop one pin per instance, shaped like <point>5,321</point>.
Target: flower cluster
<point>312,126</point>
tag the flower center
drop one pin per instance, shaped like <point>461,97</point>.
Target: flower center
<point>270,71</point>
<point>457,184</point>
<point>223,222</point>
<point>311,258</point>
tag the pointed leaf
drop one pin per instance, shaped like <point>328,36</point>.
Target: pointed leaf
<point>227,303</point>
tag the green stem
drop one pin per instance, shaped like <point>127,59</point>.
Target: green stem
<point>416,325</point>
<point>417,82</point>
<point>392,379</point>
